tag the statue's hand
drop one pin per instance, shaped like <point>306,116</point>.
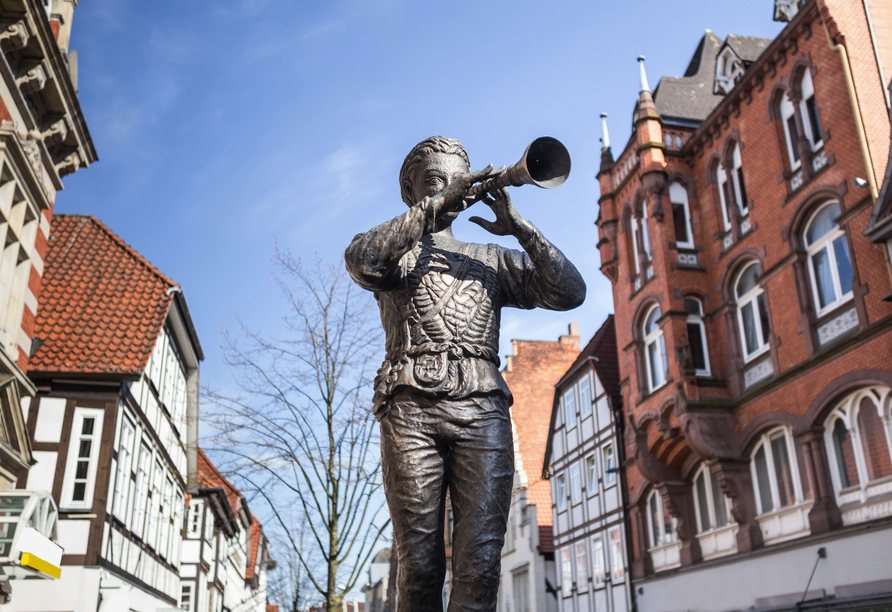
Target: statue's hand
<point>508,220</point>
<point>452,199</point>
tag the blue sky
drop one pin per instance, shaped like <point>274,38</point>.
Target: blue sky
<point>221,127</point>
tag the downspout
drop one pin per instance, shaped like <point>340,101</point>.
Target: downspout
<point>192,431</point>
<point>856,111</point>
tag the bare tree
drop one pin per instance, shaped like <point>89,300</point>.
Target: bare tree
<point>299,431</point>
<point>290,586</point>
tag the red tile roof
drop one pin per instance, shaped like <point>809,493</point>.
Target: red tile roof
<point>535,367</point>
<point>210,476</point>
<point>102,304</point>
<point>254,545</point>
<point>272,608</point>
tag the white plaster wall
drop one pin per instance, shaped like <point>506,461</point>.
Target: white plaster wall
<point>852,558</point>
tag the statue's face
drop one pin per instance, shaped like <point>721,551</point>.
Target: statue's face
<point>439,170</point>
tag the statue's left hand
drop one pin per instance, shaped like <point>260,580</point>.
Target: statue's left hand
<point>508,220</point>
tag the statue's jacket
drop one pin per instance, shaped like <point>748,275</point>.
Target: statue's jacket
<point>441,300</point>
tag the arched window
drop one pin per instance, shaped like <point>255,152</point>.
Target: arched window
<point>791,130</point>
<point>752,314</point>
<point>829,264</point>
<point>809,111</point>
<point>645,234</point>
<point>660,524</point>
<point>733,188</point>
<point>858,432</point>
<point>654,350</point>
<point>697,335</point>
<point>633,223</point>
<point>712,507</point>
<point>681,216</point>
<point>777,478</point>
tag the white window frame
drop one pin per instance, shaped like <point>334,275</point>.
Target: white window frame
<point>635,255</point>
<point>124,467</point>
<point>710,504</point>
<point>190,596</point>
<point>591,474</point>
<point>67,496</point>
<point>568,410</point>
<point>575,482</point>
<point>808,92</point>
<point>599,561</point>
<point>679,195</point>
<point>698,320</point>
<point>662,538</point>
<point>645,232</point>
<point>735,181</point>
<point>787,110</point>
<point>751,296</point>
<point>585,407</point>
<point>765,441</point>
<point>608,461</point>
<point>826,242</point>
<point>561,491</point>
<point>654,337</point>
<point>848,410</point>
<point>581,566</point>
<point>617,555</point>
<point>567,571</point>
<point>141,489</point>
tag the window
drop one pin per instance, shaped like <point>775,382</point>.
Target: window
<point>194,527</point>
<point>561,492</point>
<point>859,450</point>
<point>735,187</point>
<point>122,476</point>
<point>809,111</point>
<point>645,233</point>
<point>752,314</point>
<point>654,350</point>
<point>521,591</point>
<point>697,335</point>
<point>591,475</point>
<point>140,490</point>
<point>165,513</point>
<point>635,254</point>
<point>776,473</point>
<point>609,464</point>
<point>599,567</point>
<point>567,571</point>
<point>570,408</point>
<point>617,567</point>
<point>575,482</point>
<point>829,264</point>
<point>681,216</point>
<point>186,597</point>
<point>712,507</point>
<point>581,567</point>
<point>83,454</point>
<point>660,524</point>
<point>585,397</point>
<point>791,130</point>
<point>155,506</point>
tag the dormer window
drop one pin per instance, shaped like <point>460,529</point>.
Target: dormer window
<point>728,71</point>
<point>785,10</point>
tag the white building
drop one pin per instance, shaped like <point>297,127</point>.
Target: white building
<point>583,461</point>
<point>528,582</point>
<point>117,391</point>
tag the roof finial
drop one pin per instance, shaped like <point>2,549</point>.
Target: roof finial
<point>605,137</point>
<point>642,75</point>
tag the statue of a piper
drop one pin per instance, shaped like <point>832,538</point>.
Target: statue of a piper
<point>439,397</point>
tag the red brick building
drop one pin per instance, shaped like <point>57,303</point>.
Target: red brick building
<point>754,340</point>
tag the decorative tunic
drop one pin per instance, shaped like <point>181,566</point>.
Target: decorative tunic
<point>441,300</point>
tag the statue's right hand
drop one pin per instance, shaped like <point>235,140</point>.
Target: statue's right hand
<point>452,198</point>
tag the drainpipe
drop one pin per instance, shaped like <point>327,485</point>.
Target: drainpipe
<point>192,431</point>
<point>856,111</point>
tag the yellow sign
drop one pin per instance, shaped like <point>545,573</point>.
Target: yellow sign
<point>29,560</point>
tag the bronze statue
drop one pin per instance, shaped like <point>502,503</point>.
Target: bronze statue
<point>439,397</point>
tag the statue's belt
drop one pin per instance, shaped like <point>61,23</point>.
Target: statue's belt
<point>454,351</point>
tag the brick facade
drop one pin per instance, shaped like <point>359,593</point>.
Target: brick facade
<point>813,356</point>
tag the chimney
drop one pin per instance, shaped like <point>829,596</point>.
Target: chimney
<point>571,338</point>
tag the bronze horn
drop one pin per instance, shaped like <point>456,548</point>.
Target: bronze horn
<point>545,163</point>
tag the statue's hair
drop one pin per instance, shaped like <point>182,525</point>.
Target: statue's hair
<point>434,144</point>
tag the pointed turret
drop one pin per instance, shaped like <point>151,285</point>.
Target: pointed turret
<point>649,129</point>
<point>606,152</point>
